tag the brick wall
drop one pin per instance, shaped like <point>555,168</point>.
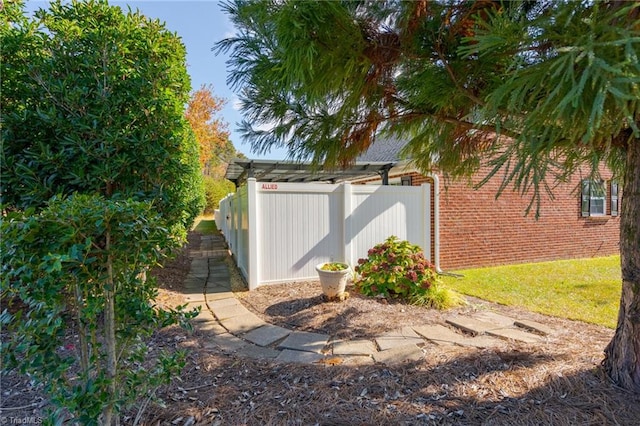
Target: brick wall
<point>476,229</point>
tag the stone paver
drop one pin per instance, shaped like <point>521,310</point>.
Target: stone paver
<point>442,336</point>
<point>305,341</point>
<point>397,338</point>
<point>299,357</point>
<point>242,324</point>
<point>258,352</point>
<point>200,304</point>
<point>230,311</point>
<point>471,325</point>
<point>216,254</point>
<point>218,281</point>
<point>267,335</point>
<point>536,327</point>
<point>198,273</point>
<point>218,269</point>
<point>215,289</point>
<point>221,303</point>
<point>399,354</point>
<point>216,286</point>
<point>227,342</point>
<point>212,327</point>
<point>204,315</point>
<point>194,297</point>
<point>194,282</point>
<point>217,295</point>
<point>199,267</point>
<point>514,334</point>
<point>219,275</point>
<point>354,347</point>
<point>439,334</point>
<point>494,318</point>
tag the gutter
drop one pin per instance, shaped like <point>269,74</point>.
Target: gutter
<point>436,222</point>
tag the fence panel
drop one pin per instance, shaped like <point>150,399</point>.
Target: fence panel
<point>300,227</point>
<point>381,211</point>
<point>234,226</point>
<point>278,232</point>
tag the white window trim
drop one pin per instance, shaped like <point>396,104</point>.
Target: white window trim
<point>590,198</point>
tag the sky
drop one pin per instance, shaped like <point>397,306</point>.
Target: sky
<point>200,24</point>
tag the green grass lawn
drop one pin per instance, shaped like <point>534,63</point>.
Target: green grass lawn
<point>205,225</point>
<point>581,289</point>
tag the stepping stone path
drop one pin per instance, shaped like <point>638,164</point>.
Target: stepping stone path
<point>227,325</point>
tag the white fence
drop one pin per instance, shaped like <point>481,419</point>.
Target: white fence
<point>279,232</point>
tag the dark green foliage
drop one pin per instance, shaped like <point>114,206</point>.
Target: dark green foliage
<point>99,178</point>
<point>93,102</point>
<point>56,262</point>
<point>539,90</point>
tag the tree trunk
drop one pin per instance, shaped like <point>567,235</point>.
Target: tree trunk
<point>83,333</point>
<point>110,336</point>
<point>622,355</point>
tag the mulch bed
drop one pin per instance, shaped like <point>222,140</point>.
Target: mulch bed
<point>555,382</point>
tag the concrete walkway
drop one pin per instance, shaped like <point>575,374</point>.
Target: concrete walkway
<point>228,326</point>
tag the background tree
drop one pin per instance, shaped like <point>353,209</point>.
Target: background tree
<point>211,132</point>
<point>216,189</point>
<point>216,150</point>
<point>538,89</point>
<point>100,177</point>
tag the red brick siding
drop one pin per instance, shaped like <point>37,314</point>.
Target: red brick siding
<point>476,229</point>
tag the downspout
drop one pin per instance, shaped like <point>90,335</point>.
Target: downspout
<point>436,221</point>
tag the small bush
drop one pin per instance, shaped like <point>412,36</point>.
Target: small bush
<point>216,189</point>
<point>399,269</point>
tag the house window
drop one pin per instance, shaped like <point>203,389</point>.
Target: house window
<point>594,196</point>
<point>406,181</point>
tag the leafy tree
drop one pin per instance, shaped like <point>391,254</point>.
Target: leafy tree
<point>100,177</point>
<point>538,89</point>
<point>211,132</point>
<point>93,102</point>
<point>216,150</point>
<point>81,261</point>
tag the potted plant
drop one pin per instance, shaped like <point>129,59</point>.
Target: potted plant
<point>333,278</point>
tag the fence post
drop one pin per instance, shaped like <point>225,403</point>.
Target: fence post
<point>426,231</point>
<point>347,219</point>
<point>235,212</point>
<point>253,222</point>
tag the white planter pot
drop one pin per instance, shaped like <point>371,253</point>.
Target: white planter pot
<point>333,282</point>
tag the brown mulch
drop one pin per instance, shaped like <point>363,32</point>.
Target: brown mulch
<point>301,306</point>
<point>556,382</point>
